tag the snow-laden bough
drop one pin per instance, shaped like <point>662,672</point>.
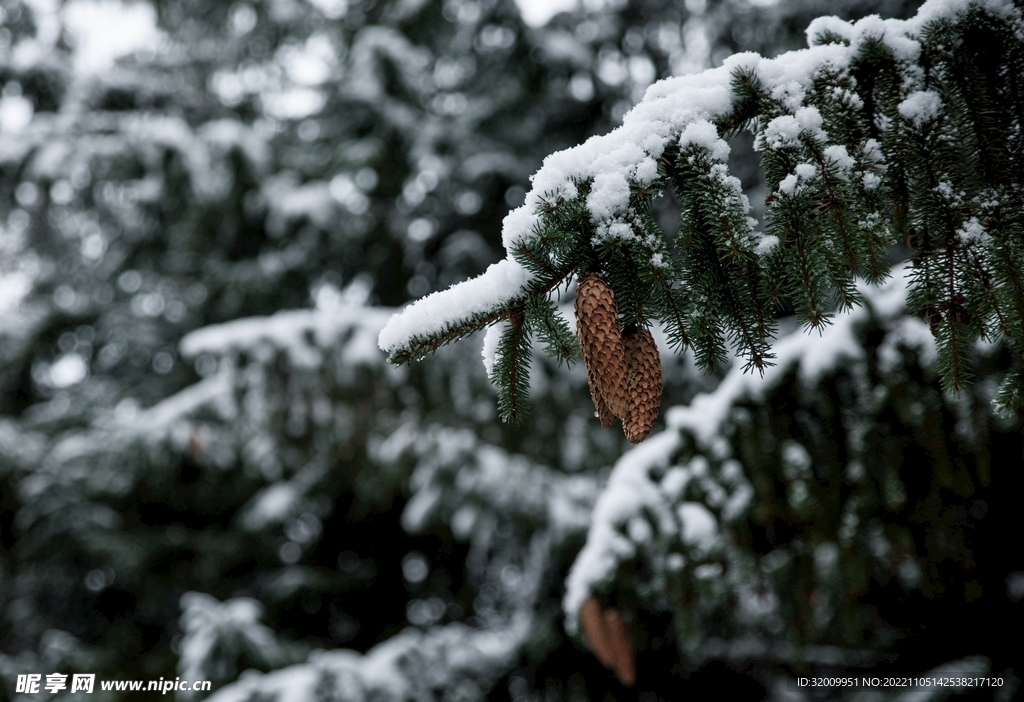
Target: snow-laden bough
<point>861,146</point>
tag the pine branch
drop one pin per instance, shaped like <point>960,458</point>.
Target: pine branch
<point>419,347</point>
<point>552,330</point>
<point>855,151</point>
<point>954,333</point>
<point>670,307</point>
<point>982,279</point>
<point>1010,396</point>
<point>800,269</point>
<point>512,369</point>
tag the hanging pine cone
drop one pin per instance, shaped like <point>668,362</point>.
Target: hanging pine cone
<point>643,363</point>
<point>608,637</point>
<point>602,412</point>
<point>618,636</point>
<point>594,631</point>
<point>597,326</point>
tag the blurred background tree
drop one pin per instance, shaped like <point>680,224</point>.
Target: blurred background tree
<point>206,466</point>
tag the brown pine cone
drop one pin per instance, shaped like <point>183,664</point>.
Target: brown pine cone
<point>607,636</point>
<point>592,622</point>
<point>624,664</point>
<point>644,383</point>
<point>597,326</point>
<point>600,406</point>
<point>602,412</point>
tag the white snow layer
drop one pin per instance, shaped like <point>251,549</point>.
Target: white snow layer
<point>490,346</point>
<point>206,622</point>
<point>682,106</point>
<point>301,333</point>
<point>500,283</point>
<point>409,666</point>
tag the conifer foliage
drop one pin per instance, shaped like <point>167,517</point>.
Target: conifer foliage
<point>881,132</point>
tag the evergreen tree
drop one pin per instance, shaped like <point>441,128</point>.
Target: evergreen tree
<point>198,478</point>
<point>260,153</point>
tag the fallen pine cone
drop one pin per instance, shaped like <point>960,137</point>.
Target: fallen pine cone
<point>643,363</point>
<point>597,326</point>
<point>608,638</point>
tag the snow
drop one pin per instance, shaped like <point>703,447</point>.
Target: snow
<point>639,530</point>
<point>901,35</point>
<point>647,169</point>
<point>700,528</point>
<point>411,665</point>
<point>14,286</point>
<point>501,283</point>
<point>205,622</point>
<point>347,328</point>
<point>809,119</point>
<point>820,25</point>
<point>786,130</point>
<point>70,369</point>
<point>920,107</point>
<point>973,232</point>
<point>483,474</point>
<point>703,133</point>
<point>806,170</point>
<point>294,103</point>
<point>289,202</point>
<point>108,29</point>
<point>629,492</point>
<point>910,334</point>
<point>936,10</point>
<point>15,113</point>
<point>300,333</point>
<point>782,131</point>
<point>767,244</point>
<point>788,185</point>
<point>838,154</point>
<point>608,196</point>
<point>945,189</point>
<point>490,346</point>
<point>274,503</point>
<point>537,13</point>
<point>811,353</point>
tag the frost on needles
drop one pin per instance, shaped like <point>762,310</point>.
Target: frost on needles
<point>881,131</point>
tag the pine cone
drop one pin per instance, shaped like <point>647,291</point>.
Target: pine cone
<point>625,661</point>
<point>597,326</point>
<point>608,638</point>
<point>602,412</point>
<point>644,383</point>
<point>594,631</point>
